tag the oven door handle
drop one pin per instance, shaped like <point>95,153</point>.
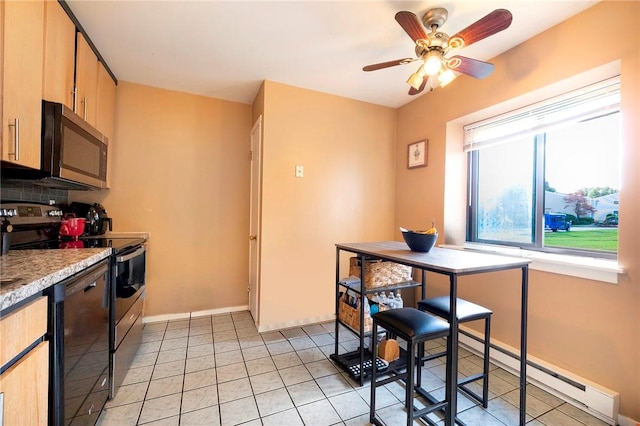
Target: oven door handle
<point>130,256</point>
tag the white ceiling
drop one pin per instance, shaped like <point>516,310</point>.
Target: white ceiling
<point>225,49</point>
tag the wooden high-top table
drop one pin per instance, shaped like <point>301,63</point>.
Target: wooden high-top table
<point>452,263</point>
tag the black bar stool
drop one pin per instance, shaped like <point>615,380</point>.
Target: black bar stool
<point>465,311</point>
<point>416,327</point>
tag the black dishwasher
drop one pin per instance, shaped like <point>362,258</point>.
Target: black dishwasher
<point>79,327</point>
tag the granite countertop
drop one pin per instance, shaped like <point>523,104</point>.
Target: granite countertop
<point>39,269</point>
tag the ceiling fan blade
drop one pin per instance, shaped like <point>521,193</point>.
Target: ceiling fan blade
<point>471,67</point>
<point>411,24</point>
<point>413,91</point>
<point>496,21</point>
<point>388,64</point>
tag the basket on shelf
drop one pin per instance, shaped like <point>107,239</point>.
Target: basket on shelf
<point>379,273</point>
<point>351,316</point>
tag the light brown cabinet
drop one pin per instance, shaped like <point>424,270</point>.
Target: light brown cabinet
<point>86,81</point>
<point>25,384</point>
<point>59,55</point>
<point>25,388</point>
<point>22,60</point>
<point>105,112</point>
<point>106,102</point>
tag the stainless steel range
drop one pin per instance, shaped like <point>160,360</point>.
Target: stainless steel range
<point>95,324</point>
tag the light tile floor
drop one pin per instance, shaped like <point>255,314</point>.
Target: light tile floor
<point>218,370</point>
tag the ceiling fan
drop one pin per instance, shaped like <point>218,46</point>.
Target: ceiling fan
<point>432,47</point>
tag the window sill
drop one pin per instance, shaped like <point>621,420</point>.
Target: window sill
<point>584,267</point>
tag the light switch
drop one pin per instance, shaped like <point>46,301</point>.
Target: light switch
<point>299,171</point>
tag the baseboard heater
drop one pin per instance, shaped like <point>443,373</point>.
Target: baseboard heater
<point>597,400</point>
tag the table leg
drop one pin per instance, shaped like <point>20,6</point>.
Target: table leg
<point>362,258</point>
<point>452,349</point>
<point>523,344</point>
<point>337,297</point>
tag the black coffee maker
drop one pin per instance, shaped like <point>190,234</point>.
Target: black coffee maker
<point>97,221</point>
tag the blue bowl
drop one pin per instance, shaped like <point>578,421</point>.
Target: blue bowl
<point>419,242</point>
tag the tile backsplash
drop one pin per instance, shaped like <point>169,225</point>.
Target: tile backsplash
<point>25,191</point>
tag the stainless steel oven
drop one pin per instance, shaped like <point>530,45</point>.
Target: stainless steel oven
<point>129,268</point>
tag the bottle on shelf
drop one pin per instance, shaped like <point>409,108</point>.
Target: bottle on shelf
<point>391,300</point>
<point>383,298</point>
<point>399,301</point>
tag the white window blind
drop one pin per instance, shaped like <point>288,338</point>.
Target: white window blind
<point>588,102</point>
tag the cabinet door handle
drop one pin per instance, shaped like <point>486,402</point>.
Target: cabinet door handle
<point>84,101</point>
<point>74,101</point>
<point>16,138</point>
<point>253,237</point>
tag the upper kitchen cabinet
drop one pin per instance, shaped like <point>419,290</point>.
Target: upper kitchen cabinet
<point>106,102</point>
<point>59,55</point>
<point>22,66</point>
<point>86,81</point>
<point>105,112</point>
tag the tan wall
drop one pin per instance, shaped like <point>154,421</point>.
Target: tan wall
<point>346,194</point>
<point>181,173</point>
<point>587,327</point>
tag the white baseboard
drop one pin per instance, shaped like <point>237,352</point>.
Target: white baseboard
<point>261,328</point>
<point>219,311</point>
<point>187,315</point>
<point>165,317</point>
<point>626,421</point>
<point>297,323</point>
<point>597,400</point>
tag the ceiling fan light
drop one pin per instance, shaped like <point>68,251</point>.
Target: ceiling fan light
<point>432,63</point>
<point>415,80</point>
<point>445,77</point>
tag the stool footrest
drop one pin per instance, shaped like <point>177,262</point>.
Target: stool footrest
<point>470,379</point>
<point>432,356</point>
<point>393,378</point>
<point>473,395</point>
<point>428,410</point>
<point>426,395</point>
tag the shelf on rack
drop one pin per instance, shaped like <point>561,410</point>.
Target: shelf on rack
<point>350,362</point>
<point>357,287</point>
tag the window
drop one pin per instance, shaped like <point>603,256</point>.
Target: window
<point>546,177</point>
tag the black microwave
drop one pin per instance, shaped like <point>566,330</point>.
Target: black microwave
<point>74,154</point>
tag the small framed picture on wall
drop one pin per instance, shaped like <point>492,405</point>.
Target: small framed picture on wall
<point>417,154</point>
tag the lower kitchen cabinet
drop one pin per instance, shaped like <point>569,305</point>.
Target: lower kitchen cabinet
<point>24,357</point>
<point>25,389</point>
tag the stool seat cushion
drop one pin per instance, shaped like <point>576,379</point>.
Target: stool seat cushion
<point>465,311</point>
<point>411,323</point>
